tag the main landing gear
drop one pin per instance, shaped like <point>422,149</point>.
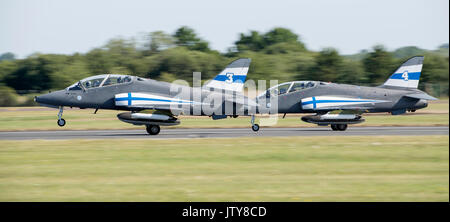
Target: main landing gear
<point>338,127</point>
<point>153,129</point>
<point>61,122</point>
<point>255,127</point>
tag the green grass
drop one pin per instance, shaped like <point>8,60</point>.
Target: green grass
<point>378,168</point>
<point>38,118</point>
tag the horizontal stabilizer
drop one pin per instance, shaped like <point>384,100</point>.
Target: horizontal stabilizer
<point>421,96</point>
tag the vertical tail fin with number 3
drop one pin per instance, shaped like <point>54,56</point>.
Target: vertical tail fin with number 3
<point>407,75</point>
<point>232,78</point>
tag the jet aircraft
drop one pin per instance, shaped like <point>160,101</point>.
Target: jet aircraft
<point>341,104</point>
<point>154,103</point>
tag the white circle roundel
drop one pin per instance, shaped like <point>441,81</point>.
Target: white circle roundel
<point>79,97</point>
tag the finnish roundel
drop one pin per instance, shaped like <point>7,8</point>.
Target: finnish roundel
<point>79,98</point>
<point>405,75</point>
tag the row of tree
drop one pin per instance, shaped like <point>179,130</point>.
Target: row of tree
<point>277,54</point>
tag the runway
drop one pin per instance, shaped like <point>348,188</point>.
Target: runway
<point>221,133</point>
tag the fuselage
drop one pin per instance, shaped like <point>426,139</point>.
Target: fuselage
<point>390,99</point>
<point>103,97</point>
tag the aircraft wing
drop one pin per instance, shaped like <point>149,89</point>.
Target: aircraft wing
<point>356,108</point>
<point>157,107</point>
<point>176,106</point>
<point>151,101</point>
<point>326,103</point>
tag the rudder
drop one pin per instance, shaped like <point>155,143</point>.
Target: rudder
<point>232,78</point>
<point>408,74</point>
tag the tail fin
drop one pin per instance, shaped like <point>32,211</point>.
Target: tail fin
<point>232,78</point>
<point>408,74</point>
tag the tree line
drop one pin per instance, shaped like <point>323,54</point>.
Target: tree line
<point>276,54</point>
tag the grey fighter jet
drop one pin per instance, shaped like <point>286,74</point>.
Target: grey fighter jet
<point>341,104</point>
<point>154,103</point>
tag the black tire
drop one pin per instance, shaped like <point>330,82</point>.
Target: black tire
<point>255,127</point>
<point>334,127</point>
<point>153,129</point>
<point>61,122</point>
<point>341,127</point>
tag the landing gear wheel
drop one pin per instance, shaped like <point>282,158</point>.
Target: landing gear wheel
<point>61,122</point>
<point>255,127</point>
<point>341,127</point>
<point>334,127</point>
<point>153,129</point>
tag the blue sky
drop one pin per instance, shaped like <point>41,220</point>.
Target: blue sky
<point>63,26</point>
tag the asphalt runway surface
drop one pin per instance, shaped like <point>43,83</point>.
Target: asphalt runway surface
<point>222,133</point>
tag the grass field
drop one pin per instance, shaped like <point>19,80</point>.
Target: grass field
<point>376,168</point>
<point>39,118</point>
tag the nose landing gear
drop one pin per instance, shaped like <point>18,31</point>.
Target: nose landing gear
<point>255,127</point>
<point>61,122</point>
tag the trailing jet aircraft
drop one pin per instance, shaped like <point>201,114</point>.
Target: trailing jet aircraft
<point>153,103</point>
<point>341,104</point>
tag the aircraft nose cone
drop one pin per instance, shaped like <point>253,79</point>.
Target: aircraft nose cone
<point>45,99</point>
<point>38,99</point>
<point>53,98</point>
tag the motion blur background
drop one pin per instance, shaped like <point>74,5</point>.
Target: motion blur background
<point>47,45</point>
<point>50,44</point>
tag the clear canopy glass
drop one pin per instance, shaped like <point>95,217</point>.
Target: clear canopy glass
<point>100,81</point>
<point>289,87</point>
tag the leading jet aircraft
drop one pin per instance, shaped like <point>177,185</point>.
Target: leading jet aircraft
<point>341,104</point>
<point>154,103</point>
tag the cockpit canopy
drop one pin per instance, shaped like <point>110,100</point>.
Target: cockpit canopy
<point>100,81</point>
<point>289,87</point>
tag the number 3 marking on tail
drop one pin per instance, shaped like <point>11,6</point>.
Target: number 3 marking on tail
<point>405,76</point>
<point>230,77</point>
